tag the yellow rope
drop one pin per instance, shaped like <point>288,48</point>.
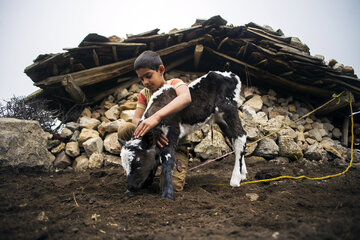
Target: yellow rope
<point>303,176</point>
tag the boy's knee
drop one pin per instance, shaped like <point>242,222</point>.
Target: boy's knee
<point>180,168</point>
<point>126,131</point>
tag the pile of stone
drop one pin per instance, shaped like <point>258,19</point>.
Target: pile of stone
<point>92,141</point>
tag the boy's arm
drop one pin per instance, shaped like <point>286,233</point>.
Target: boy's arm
<point>182,100</point>
<point>137,115</point>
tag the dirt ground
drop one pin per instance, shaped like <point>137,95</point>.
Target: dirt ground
<point>92,205</point>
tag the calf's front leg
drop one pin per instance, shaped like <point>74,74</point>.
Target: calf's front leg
<point>168,161</point>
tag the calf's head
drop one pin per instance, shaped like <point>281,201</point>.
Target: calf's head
<point>138,158</point>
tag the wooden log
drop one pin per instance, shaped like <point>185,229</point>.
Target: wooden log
<point>343,102</point>
<point>73,90</point>
<point>280,81</point>
<point>197,55</point>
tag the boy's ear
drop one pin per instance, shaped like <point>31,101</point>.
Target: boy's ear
<point>161,69</point>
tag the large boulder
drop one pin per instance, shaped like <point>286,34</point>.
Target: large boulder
<point>23,144</point>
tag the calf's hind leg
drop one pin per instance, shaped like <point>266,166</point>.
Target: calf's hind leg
<point>230,124</point>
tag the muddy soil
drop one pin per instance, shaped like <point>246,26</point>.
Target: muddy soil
<point>92,205</point>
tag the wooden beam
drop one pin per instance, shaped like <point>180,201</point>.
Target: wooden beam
<point>95,57</point>
<point>256,72</point>
<point>197,55</point>
<point>114,52</point>
<point>222,42</point>
<point>73,90</point>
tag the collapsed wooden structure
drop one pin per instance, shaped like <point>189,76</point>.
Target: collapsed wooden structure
<point>259,55</point>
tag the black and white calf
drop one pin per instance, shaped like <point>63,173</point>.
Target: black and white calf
<point>214,99</point>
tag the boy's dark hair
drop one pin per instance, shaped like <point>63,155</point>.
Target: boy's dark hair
<point>148,59</point>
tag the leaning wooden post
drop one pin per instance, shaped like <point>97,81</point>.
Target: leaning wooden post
<point>73,90</point>
<point>345,132</point>
<point>197,55</point>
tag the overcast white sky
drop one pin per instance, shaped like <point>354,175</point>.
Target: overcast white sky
<point>32,27</point>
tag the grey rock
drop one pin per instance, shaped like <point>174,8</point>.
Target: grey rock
<point>62,161</point>
<point>86,134</point>
<point>111,143</point>
<point>315,152</point>
<point>267,148</point>
<point>23,144</point>
<point>96,160</point>
<point>214,147</point>
<point>72,149</point>
<point>75,136</point>
<point>336,133</point>
<point>288,148</point>
<point>93,145</point>
<point>90,123</point>
<point>80,163</point>
<point>315,134</point>
<point>255,102</point>
<point>72,126</point>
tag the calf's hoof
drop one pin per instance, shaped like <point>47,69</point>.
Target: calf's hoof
<point>168,195</point>
<point>129,193</point>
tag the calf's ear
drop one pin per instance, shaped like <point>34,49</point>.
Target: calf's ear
<point>148,140</point>
<point>121,141</point>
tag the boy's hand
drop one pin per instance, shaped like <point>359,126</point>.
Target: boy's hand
<point>146,125</point>
<point>162,141</point>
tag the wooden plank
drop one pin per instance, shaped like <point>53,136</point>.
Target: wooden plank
<point>277,79</point>
<point>146,39</point>
<point>102,44</point>
<point>73,90</point>
<point>144,34</point>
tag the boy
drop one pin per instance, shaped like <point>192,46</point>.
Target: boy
<point>150,69</point>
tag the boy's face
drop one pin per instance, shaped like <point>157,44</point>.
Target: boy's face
<point>150,78</point>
